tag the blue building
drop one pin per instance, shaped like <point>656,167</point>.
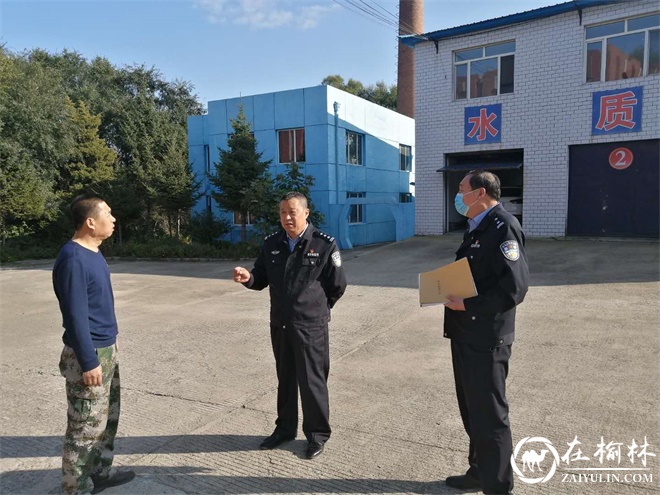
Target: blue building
<point>360,154</point>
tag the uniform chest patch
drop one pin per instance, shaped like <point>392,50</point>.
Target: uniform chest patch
<point>312,254</point>
<point>336,259</point>
<point>274,253</point>
<point>510,250</point>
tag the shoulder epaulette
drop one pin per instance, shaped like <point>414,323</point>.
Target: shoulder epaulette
<point>270,235</point>
<point>324,236</point>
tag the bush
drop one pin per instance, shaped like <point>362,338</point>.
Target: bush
<point>18,249</point>
<point>172,248</point>
<point>205,228</point>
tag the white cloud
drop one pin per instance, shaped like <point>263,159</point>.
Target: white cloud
<point>264,14</point>
<point>311,15</point>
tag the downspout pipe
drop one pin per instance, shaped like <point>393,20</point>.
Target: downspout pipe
<point>335,106</point>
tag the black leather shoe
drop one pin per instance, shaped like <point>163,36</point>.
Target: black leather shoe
<point>463,482</point>
<point>118,478</point>
<point>274,441</point>
<point>314,449</point>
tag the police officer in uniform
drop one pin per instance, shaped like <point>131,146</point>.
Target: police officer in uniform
<point>481,330</point>
<point>302,268</point>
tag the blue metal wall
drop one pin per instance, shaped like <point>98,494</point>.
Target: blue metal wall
<point>313,109</point>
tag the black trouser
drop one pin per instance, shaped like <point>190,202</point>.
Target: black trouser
<point>480,376</point>
<point>302,358</point>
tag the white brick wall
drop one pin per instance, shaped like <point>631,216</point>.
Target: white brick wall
<point>549,110</point>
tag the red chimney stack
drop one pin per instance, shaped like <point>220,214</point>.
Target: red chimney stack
<point>411,21</point>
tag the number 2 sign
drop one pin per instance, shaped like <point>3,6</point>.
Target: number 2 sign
<point>621,158</point>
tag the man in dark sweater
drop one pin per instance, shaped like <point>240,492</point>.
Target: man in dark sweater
<point>89,363</point>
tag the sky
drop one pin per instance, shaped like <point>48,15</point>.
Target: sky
<point>229,48</point>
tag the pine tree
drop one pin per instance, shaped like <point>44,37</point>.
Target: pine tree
<point>296,180</point>
<point>68,125</point>
<point>268,192</point>
<point>237,170</point>
<point>178,187</point>
<point>91,161</point>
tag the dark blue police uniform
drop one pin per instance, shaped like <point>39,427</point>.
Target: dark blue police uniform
<point>304,286</point>
<point>481,339</point>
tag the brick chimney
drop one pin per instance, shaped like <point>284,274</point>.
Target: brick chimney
<point>411,21</point>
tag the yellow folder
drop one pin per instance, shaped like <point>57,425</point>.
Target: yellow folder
<point>454,279</point>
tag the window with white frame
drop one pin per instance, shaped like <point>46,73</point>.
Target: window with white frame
<point>238,218</point>
<point>291,145</point>
<point>623,49</point>
<point>484,70</point>
<point>354,148</point>
<point>405,158</point>
<point>357,211</point>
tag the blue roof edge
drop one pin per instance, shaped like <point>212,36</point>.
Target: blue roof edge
<point>509,20</point>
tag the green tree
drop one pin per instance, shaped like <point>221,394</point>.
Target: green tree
<point>205,228</point>
<point>140,137</point>
<point>238,170</point>
<point>90,161</point>
<point>296,180</point>
<point>127,207</point>
<point>379,93</point>
<point>268,192</point>
<point>151,117</point>
<point>382,94</point>
<point>141,116</point>
<point>33,141</point>
<point>26,196</point>
<point>177,186</point>
<point>68,125</point>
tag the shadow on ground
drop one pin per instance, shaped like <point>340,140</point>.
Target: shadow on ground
<point>51,446</point>
<point>198,480</point>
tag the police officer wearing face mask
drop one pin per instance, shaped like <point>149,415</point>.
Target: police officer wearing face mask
<point>481,330</point>
<point>302,267</point>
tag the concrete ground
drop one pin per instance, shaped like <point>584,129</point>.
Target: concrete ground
<point>199,383</point>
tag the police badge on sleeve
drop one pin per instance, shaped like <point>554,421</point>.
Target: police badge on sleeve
<point>336,259</point>
<point>510,250</point>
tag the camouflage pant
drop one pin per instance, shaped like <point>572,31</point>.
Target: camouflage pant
<point>93,415</point>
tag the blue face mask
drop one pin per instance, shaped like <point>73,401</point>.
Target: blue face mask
<point>460,205</point>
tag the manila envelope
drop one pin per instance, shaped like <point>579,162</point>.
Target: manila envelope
<point>454,279</point>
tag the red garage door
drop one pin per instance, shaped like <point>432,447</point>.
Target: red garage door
<point>614,189</point>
